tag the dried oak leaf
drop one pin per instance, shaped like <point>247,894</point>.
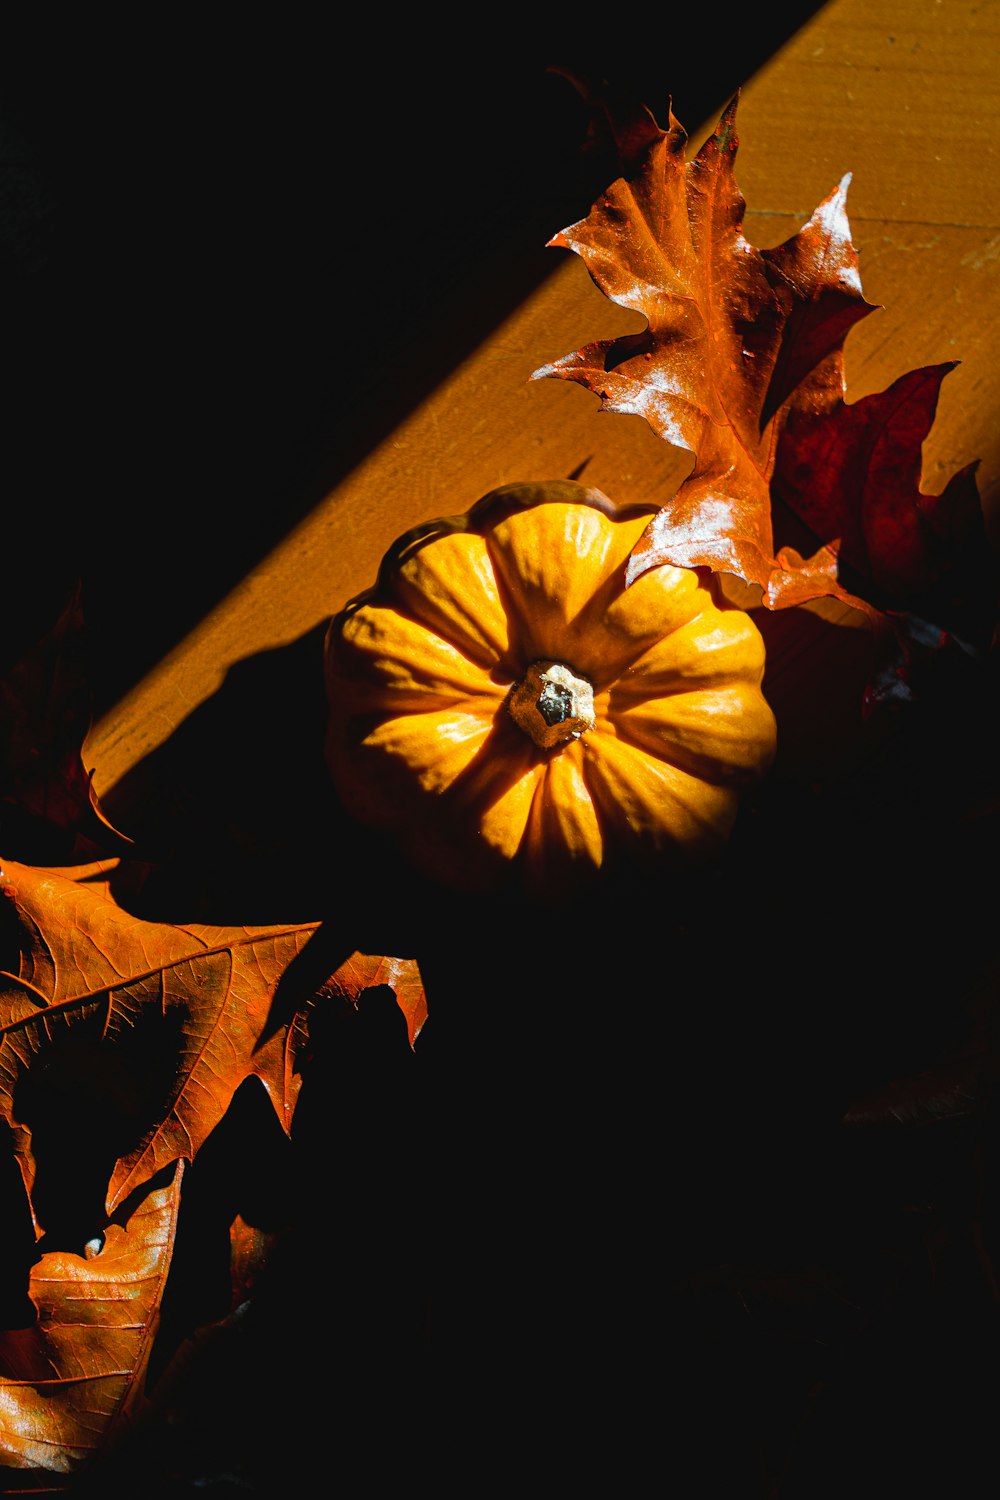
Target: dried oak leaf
<point>743,348</point>
<point>70,1381</point>
<point>365,972</point>
<point>730,329</point>
<point>161,1023</point>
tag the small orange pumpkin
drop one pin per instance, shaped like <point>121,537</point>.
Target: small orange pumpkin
<point>503,704</point>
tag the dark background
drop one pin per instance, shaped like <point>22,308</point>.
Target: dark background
<point>608,1222</point>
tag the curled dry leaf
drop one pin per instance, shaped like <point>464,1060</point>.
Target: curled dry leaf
<point>72,1380</point>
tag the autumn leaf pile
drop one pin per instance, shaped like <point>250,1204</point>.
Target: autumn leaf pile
<point>741,364</point>
<point>124,1038</point>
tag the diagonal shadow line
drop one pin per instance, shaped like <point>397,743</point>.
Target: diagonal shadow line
<point>367,311</point>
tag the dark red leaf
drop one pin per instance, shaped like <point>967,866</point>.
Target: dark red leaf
<point>853,473</point>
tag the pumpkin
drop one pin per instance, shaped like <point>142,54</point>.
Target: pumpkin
<point>506,707</point>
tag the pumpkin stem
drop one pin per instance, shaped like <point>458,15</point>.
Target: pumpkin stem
<point>552,704</point>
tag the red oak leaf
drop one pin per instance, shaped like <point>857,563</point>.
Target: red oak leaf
<point>730,329</point>
<point>149,1027</point>
<point>364,972</point>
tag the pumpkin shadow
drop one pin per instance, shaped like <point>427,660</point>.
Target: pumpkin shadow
<point>236,814</point>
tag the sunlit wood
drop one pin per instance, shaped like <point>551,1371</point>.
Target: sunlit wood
<point>903,97</point>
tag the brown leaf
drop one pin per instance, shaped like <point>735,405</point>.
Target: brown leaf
<point>150,1027</point>
<point>70,1381</point>
<point>729,328</point>
<point>820,266</point>
<point>364,972</point>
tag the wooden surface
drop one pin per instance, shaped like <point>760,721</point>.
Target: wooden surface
<point>902,97</point>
